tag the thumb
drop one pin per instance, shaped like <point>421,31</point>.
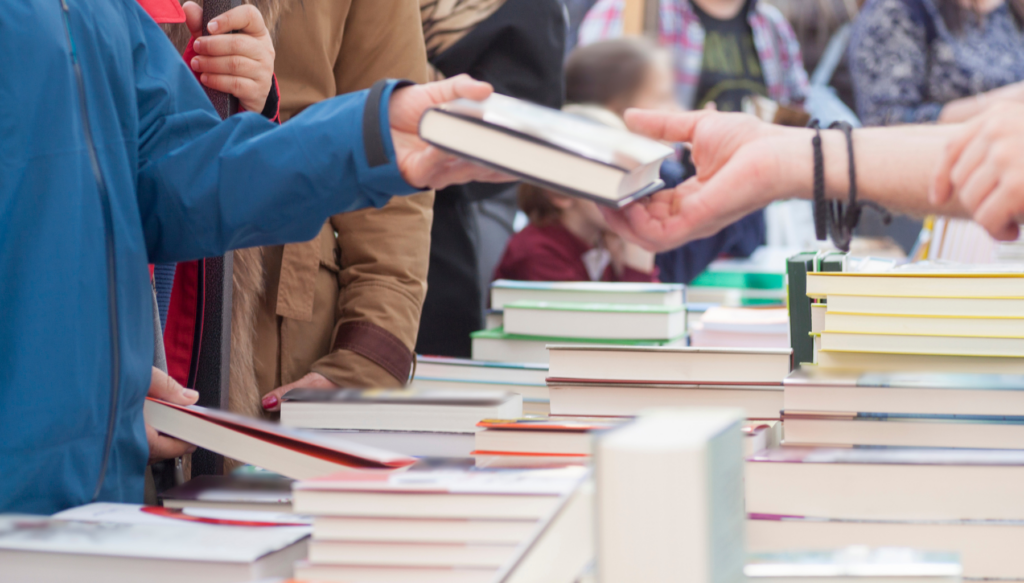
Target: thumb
<point>165,388</point>
<point>193,18</point>
<point>459,86</point>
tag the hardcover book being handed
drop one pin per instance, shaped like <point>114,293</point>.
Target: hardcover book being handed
<point>547,147</point>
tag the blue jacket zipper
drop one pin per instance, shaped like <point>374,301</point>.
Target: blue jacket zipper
<point>108,224</point>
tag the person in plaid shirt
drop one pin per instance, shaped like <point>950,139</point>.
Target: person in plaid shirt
<point>685,25</point>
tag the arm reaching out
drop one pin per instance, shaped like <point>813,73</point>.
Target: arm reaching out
<point>744,164</point>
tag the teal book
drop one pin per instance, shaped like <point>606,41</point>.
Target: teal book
<point>498,346</point>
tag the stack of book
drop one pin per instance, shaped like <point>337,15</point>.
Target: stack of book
<point>436,522</point>
<point>415,422</point>
<point>962,500</point>
<point>123,543</point>
<point>526,379</point>
<point>722,326</point>
<point>622,380</point>
<point>536,314</point>
<point>825,407</point>
<point>556,441</point>
<point>922,318</point>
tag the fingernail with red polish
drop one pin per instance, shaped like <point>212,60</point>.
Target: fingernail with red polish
<point>269,402</point>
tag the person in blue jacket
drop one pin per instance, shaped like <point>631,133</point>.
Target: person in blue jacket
<point>114,159</point>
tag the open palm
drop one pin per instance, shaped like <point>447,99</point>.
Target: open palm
<point>736,172</point>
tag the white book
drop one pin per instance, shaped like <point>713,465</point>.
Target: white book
<point>426,491</point>
<point>506,291</point>
<point>118,543</point>
<point>414,554</point>
<point>307,571</point>
<point>669,365</point>
<point>591,320</point>
<point>988,549</point>
<point>924,345</point>
<point>423,530</point>
<point>670,498</point>
<point>396,409</point>
<point>855,563</point>
<point>913,306</point>
<point>549,148</point>
<point>601,399</point>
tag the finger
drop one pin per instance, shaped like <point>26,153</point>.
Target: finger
<point>979,186</point>
<point>972,156</point>
<point>193,17</point>
<point>162,447</point>
<point>942,184</point>
<point>673,127</point>
<point>165,388</point>
<point>998,214</point>
<point>237,66</point>
<point>460,86</point>
<point>228,45</point>
<point>245,18</point>
<point>240,87</point>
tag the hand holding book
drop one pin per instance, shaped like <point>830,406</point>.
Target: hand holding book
<point>165,388</point>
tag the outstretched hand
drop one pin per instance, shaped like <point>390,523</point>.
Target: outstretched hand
<point>421,164</point>
<point>736,157</point>
<point>982,167</point>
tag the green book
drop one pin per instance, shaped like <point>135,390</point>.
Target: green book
<point>497,346</point>
<point>797,268</point>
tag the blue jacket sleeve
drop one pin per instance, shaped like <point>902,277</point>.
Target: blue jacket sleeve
<point>206,186</point>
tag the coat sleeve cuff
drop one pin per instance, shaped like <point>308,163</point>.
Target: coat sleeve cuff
<point>378,167</point>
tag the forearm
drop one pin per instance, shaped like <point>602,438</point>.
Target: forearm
<point>246,182</point>
<point>894,166</point>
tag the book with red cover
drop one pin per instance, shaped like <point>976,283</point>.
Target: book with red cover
<point>293,453</point>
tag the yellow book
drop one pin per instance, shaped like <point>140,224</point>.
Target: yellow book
<point>925,284</point>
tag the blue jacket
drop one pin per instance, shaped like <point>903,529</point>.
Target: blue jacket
<point>111,138</point>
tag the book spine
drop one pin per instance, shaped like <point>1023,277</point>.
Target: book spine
<point>800,307</point>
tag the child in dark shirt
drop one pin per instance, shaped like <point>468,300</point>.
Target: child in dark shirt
<point>568,240</point>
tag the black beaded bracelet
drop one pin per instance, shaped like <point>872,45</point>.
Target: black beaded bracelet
<point>819,182</point>
<point>838,219</point>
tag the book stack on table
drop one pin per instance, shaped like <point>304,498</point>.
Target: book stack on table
<point>419,422</point>
<point>835,408</point>
<point>922,318</point>
<point>438,522</point>
<point>620,381</point>
<point>722,327</point>
<point>451,374</point>
<point>567,440</point>
<point>536,314</point>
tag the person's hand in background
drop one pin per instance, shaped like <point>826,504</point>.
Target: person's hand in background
<point>272,400</point>
<point>627,255</point>
<point>164,388</point>
<point>965,108</point>
<point>421,164</point>
<point>983,167</point>
<point>238,64</point>
<point>737,159</point>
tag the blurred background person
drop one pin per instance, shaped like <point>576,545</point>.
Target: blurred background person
<point>722,50</point>
<point>917,61</point>
<point>632,72</point>
<point>518,46</point>
<point>568,238</point>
